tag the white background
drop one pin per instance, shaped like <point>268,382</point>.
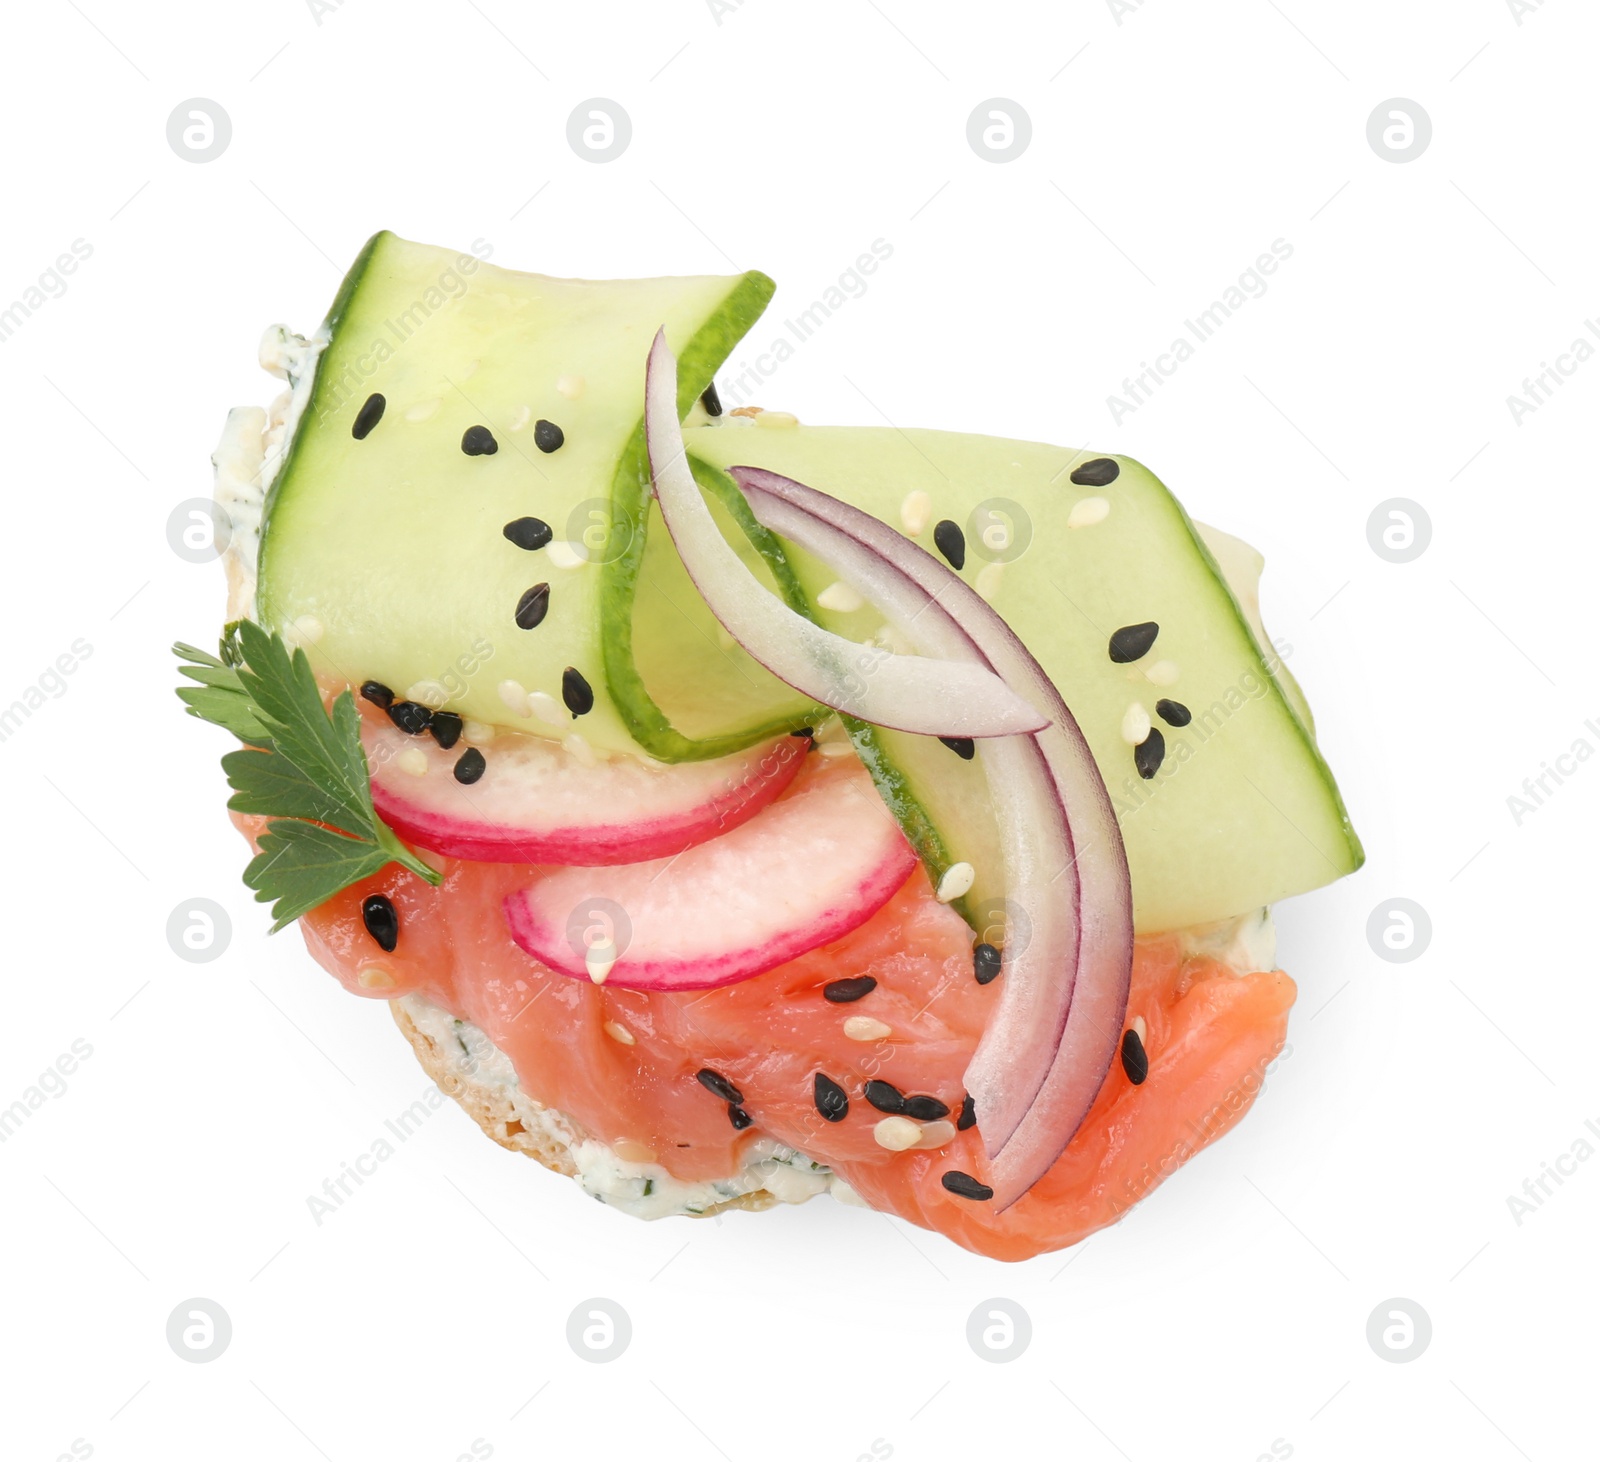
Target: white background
<point>1227,1313</point>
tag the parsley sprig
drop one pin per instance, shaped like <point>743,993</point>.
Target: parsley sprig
<point>304,769</point>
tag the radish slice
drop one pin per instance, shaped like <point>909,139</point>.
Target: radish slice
<point>906,692</point>
<point>537,803</point>
<point>806,870</point>
<point>1045,1053</point>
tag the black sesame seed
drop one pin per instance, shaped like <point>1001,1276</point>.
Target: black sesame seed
<point>478,441</point>
<point>533,606</point>
<point>378,693</point>
<point>808,732</point>
<point>369,416</point>
<point>547,436</point>
<point>711,401</point>
<point>985,963</point>
<point>1135,1060</point>
<point>719,1085</point>
<point>844,992</point>
<point>739,1117</point>
<point>1148,753</point>
<point>968,1116</point>
<point>1132,641</point>
<point>830,1098</point>
<point>1101,472</point>
<point>529,533</point>
<point>926,1108</point>
<point>469,766</point>
<point>411,717</point>
<point>383,924</point>
<point>965,1186</point>
<point>576,692</point>
<point>445,728</point>
<point>884,1097</point>
<point>961,745</point>
<point>1174,713</point>
<point>951,542</point>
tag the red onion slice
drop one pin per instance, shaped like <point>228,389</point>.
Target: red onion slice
<point>1035,837</point>
<point>932,697</point>
<point>1044,1055</point>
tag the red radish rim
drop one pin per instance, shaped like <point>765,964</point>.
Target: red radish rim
<point>534,936</point>
<point>586,844</point>
<point>541,927</point>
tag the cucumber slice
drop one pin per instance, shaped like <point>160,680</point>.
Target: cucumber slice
<point>942,805</point>
<point>392,542</point>
<point>1242,809</point>
<point>382,545</point>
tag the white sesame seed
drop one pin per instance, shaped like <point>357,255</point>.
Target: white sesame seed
<point>840,597</point>
<point>375,977</point>
<point>413,761</point>
<point>423,409</point>
<point>477,733</point>
<point>618,1032</point>
<point>836,748</point>
<point>1139,1028</point>
<point>779,419</point>
<point>521,417</point>
<point>1135,724</point>
<point>898,1134</point>
<point>958,879</point>
<point>630,1151</point>
<point>580,750</point>
<point>988,581</point>
<point>936,1134</point>
<point>915,512</point>
<point>891,638</point>
<point>725,641</point>
<point>569,386</point>
<point>565,555</point>
<point>428,693</point>
<point>515,697</point>
<point>599,959</point>
<point>865,1028</point>
<point>469,370</point>
<point>1090,511</point>
<point>306,630</point>
<point>1163,672</point>
<point>546,707</point>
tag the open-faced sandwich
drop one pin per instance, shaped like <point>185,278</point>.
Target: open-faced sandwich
<point>734,810</point>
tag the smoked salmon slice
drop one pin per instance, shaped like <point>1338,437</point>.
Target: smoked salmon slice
<point>819,1074</point>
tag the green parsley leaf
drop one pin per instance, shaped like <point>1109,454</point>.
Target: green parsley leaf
<point>267,784</point>
<point>307,771</point>
<point>219,697</point>
<point>326,749</point>
<point>302,864</point>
